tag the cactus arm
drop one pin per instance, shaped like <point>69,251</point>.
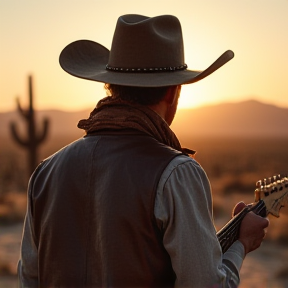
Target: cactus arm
<point>22,112</point>
<point>15,135</point>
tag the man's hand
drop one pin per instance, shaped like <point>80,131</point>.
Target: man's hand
<point>252,230</point>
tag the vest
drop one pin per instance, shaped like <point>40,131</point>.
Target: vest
<point>93,213</point>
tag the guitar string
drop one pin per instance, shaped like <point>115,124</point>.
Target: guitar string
<point>233,228</point>
<point>235,224</point>
<point>225,246</point>
<point>227,241</point>
<point>241,216</point>
<point>258,209</point>
<point>225,238</point>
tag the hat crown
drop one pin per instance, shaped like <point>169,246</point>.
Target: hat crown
<point>144,42</point>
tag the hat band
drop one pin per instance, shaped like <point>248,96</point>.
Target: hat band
<point>147,70</point>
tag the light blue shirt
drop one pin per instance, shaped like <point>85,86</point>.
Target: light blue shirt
<point>183,210</point>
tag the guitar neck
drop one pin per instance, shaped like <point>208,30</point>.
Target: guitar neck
<point>230,232</point>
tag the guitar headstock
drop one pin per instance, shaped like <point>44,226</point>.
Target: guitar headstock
<point>274,192</point>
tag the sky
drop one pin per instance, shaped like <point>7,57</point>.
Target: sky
<point>33,33</point>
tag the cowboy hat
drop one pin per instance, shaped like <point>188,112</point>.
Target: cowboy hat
<point>145,52</point>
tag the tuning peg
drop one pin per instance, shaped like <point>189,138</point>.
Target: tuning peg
<point>257,194</point>
<point>269,181</point>
<point>279,177</point>
<point>259,184</point>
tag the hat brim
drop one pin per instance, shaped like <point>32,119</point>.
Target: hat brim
<point>88,59</point>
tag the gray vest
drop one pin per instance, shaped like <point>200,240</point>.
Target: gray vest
<point>93,213</point>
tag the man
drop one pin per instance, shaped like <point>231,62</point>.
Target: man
<point>125,206</point>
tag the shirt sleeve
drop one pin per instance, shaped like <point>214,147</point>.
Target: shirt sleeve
<point>183,211</point>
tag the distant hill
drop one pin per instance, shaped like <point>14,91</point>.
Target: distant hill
<point>243,119</point>
<point>61,122</point>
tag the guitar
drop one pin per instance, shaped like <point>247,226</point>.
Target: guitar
<point>270,195</point>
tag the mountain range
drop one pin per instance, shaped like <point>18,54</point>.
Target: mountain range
<point>243,119</point>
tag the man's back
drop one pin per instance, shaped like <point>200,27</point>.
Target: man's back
<point>97,195</point>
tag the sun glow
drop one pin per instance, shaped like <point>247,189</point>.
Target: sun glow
<point>190,97</point>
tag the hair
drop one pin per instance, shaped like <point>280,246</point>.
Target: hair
<point>139,95</point>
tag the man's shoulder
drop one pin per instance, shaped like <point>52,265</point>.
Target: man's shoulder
<point>65,149</point>
<point>185,160</point>
<point>185,168</point>
<point>71,150</point>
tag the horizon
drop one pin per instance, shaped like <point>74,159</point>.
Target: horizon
<point>246,118</point>
<point>178,110</point>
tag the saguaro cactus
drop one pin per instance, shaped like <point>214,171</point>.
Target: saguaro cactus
<point>34,138</point>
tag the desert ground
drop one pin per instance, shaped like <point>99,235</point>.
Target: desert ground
<point>233,166</point>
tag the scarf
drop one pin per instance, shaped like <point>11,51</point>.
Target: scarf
<point>117,114</point>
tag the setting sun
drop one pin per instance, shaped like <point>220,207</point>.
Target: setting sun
<point>187,98</point>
